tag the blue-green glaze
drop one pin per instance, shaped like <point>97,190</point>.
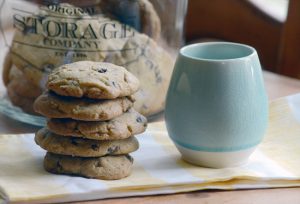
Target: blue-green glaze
<point>216,100</point>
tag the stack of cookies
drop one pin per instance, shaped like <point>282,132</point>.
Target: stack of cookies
<point>91,126</point>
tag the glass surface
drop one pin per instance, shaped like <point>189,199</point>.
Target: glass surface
<point>16,113</point>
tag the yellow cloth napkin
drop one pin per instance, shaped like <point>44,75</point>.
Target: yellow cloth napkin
<point>158,168</point>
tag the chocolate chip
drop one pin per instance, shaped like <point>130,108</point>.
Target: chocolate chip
<point>74,83</point>
<point>98,164</point>
<point>95,147</point>
<point>59,166</point>
<point>112,150</point>
<point>139,119</point>
<point>113,83</point>
<point>129,158</point>
<point>74,141</point>
<point>102,70</point>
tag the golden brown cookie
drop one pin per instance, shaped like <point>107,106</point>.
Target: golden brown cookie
<point>81,147</point>
<point>21,86</point>
<point>121,127</point>
<point>97,80</point>
<point>153,66</point>
<point>26,104</point>
<point>54,106</point>
<point>150,21</point>
<point>6,68</point>
<point>106,167</point>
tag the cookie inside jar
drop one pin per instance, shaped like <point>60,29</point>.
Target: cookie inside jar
<point>134,34</point>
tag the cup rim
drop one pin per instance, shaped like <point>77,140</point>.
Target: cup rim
<point>184,48</point>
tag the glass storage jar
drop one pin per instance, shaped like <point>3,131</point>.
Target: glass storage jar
<point>141,35</point>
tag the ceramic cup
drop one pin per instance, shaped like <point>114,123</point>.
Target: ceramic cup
<point>216,108</point>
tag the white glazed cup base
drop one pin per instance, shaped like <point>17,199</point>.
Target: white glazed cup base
<point>215,159</point>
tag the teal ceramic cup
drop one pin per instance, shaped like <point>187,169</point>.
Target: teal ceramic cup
<point>216,108</point>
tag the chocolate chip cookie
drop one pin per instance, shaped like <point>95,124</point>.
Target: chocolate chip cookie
<point>107,167</point>
<point>21,86</point>
<point>153,66</point>
<point>121,127</point>
<point>24,103</point>
<point>97,80</point>
<point>7,64</point>
<point>54,106</point>
<point>81,147</point>
<point>150,21</point>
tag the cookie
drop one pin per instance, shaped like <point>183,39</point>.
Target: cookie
<point>7,64</point>
<point>75,146</point>
<point>150,21</point>
<point>139,14</point>
<point>107,167</point>
<point>97,80</point>
<point>54,106</point>
<point>26,104</point>
<point>21,86</point>
<point>121,127</point>
<point>153,67</point>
